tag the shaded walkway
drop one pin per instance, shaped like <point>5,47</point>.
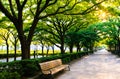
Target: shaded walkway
<point>100,65</point>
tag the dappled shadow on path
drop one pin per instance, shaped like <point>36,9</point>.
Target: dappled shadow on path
<point>101,65</point>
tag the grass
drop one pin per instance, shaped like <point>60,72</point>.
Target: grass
<point>10,51</point>
<point>32,51</point>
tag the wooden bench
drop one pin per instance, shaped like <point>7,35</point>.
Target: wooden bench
<point>52,67</point>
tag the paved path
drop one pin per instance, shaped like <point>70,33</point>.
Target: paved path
<point>100,65</point>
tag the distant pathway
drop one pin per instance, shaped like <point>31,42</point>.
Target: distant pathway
<point>100,65</point>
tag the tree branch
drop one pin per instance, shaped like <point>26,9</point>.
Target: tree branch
<point>38,6</point>
<point>56,12</point>
<point>18,5</point>
<point>23,4</point>
<point>31,8</point>
<point>52,42</point>
<point>11,8</point>
<point>7,13</point>
<point>88,10</point>
<point>71,23</point>
<point>51,32</point>
<point>53,3</point>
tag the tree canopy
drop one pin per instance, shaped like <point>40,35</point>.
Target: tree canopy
<point>27,16</point>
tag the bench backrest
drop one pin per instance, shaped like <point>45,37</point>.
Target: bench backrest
<point>50,64</point>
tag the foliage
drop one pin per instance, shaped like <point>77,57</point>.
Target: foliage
<point>55,29</point>
<point>111,42</point>
<point>26,14</point>
<point>109,30</point>
<point>10,55</point>
<point>82,38</point>
<point>30,67</point>
<point>72,38</point>
<point>9,75</point>
<point>88,37</point>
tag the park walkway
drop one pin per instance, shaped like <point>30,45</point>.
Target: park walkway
<point>100,65</point>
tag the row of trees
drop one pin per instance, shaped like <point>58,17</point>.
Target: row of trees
<point>27,15</point>
<point>57,31</point>
<point>9,36</point>
<point>114,34</point>
<point>109,31</point>
<point>57,23</point>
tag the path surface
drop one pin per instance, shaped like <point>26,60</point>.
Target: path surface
<point>100,65</point>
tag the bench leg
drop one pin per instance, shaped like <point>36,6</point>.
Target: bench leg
<point>47,76</point>
<point>69,68</point>
<point>52,77</point>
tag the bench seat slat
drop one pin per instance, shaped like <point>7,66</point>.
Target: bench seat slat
<point>50,64</point>
<point>59,68</point>
<point>52,67</point>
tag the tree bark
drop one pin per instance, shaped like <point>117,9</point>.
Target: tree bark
<point>78,48</point>
<point>53,49</point>
<point>91,47</point>
<point>7,52</point>
<point>25,47</point>
<point>62,45</point>
<point>42,50</point>
<point>62,50</point>
<point>115,47</point>
<point>119,45</point>
<point>71,48</point>
<point>15,49</point>
<point>47,51</point>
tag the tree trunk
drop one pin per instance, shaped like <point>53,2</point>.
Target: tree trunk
<point>15,49</point>
<point>47,51</point>
<point>25,48</point>
<point>110,47</point>
<point>71,48</point>
<point>53,49</point>
<point>34,54</point>
<point>119,45</point>
<point>62,49</point>
<point>42,51</point>
<point>78,48</point>
<point>91,47</point>
<point>25,51</point>
<point>62,44</point>
<point>115,47</point>
<point>7,52</point>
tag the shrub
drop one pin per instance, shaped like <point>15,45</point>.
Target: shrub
<point>9,75</point>
<point>29,67</point>
<point>66,60</point>
<point>10,55</point>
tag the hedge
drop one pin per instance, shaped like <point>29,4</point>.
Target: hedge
<point>116,52</point>
<point>30,67</point>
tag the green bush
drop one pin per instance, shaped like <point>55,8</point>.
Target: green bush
<point>9,75</point>
<point>66,60</point>
<point>116,52</point>
<point>10,55</point>
<point>43,59</point>
<point>30,67</point>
